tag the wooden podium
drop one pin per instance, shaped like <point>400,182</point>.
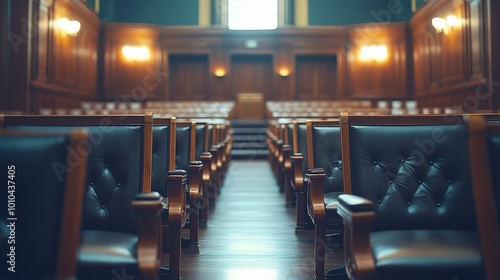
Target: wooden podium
<point>250,106</point>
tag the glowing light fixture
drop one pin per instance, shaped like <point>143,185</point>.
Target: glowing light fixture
<point>136,53</point>
<point>284,72</point>
<point>444,25</point>
<point>69,27</point>
<point>220,72</point>
<point>374,53</point>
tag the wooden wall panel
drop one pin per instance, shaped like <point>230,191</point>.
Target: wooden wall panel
<point>64,67</point>
<point>183,71</point>
<point>316,77</point>
<point>132,79</point>
<point>450,67</point>
<point>251,74</point>
<point>373,79</point>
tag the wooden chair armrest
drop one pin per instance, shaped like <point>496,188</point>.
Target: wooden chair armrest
<point>148,211</point>
<point>176,184</point>
<point>297,179</point>
<point>358,214</point>
<point>279,152</point>
<point>206,160</point>
<point>194,181</point>
<point>215,158</point>
<point>315,181</point>
<point>287,161</point>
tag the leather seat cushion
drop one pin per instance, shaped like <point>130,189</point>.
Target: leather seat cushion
<point>426,254</point>
<point>331,203</point>
<point>107,255</point>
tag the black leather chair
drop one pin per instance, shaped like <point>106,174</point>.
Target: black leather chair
<point>410,213</point>
<point>484,153</point>
<point>169,182</point>
<point>324,152</point>
<point>203,154</point>
<point>185,160</point>
<point>299,168</point>
<point>41,204</point>
<point>119,237</point>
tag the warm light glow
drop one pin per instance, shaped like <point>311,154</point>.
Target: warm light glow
<point>252,14</point>
<point>220,72</point>
<point>439,24</point>
<point>451,21</point>
<point>70,28</point>
<point>374,53</point>
<point>284,72</point>
<point>136,53</point>
<point>444,25</point>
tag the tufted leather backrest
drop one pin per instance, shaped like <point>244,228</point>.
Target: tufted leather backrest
<point>184,144</point>
<point>164,130</point>
<point>201,139</point>
<point>324,151</point>
<point>41,189</point>
<point>300,142</point>
<point>119,163</point>
<point>414,168</point>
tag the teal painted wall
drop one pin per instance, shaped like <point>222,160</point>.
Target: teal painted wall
<point>342,12</point>
<point>164,12</point>
<point>107,10</point>
<point>320,12</point>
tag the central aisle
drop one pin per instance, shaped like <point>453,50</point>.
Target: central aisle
<point>251,232</point>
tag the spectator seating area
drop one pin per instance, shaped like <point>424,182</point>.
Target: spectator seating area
<point>314,163</point>
<point>407,192</point>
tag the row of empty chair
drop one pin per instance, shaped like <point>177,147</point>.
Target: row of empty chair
<point>332,108</point>
<point>144,180</point>
<point>178,109</point>
<point>409,192</point>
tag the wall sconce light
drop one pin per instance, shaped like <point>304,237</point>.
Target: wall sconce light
<point>284,72</point>
<point>220,72</point>
<point>374,53</point>
<point>444,25</point>
<point>69,27</point>
<point>135,53</point>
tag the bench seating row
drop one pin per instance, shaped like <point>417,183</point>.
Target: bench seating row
<point>137,156</point>
<point>397,186</point>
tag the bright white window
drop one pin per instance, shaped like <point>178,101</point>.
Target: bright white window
<point>252,14</point>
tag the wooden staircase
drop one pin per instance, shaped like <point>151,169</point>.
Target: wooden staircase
<point>249,139</point>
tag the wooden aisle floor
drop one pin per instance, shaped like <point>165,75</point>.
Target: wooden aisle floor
<point>251,233</point>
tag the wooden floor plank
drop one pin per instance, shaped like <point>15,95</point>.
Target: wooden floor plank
<point>251,233</point>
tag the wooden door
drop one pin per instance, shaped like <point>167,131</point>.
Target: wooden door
<point>316,77</point>
<point>189,77</point>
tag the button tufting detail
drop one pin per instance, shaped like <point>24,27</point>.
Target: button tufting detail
<point>407,203</point>
<point>438,204</point>
<point>104,207</point>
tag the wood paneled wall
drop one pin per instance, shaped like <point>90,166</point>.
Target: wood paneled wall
<point>44,68</point>
<point>386,78</point>
<point>451,68</point>
<point>286,47</point>
<point>64,68</point>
